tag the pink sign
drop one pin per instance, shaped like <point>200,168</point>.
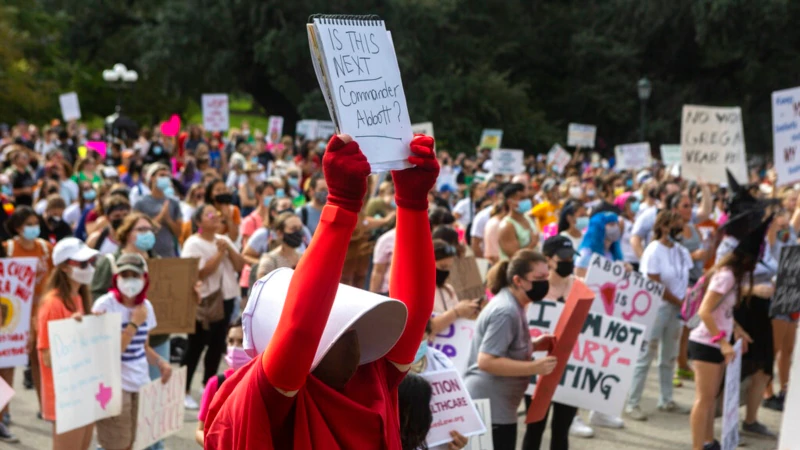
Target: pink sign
<point>6,392</point>
<point>99,146</point>
<point>171,127</point>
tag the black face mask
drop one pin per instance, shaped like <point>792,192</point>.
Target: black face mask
<point>676,234</point>
<point>441,276</point>
<point>538,290</point>
<point>565,268</point>
<point>116,223</point>
<point>224,199</point>
<point>293,240</point>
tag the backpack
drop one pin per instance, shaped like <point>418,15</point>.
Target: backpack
<point>101,238</point>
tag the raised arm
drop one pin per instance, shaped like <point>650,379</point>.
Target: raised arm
<point>288,357</point>
<point>413,277</point>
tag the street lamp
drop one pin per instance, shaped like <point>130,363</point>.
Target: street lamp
<point>645,89</point>
<point>119,77</point>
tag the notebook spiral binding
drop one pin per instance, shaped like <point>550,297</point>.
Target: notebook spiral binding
<point>347,19</point>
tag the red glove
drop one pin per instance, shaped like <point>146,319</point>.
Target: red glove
<point>346,170</point>
<point>412,185</point>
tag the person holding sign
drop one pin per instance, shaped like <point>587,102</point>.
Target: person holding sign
<point>446,305</point>
<point>602,237</point>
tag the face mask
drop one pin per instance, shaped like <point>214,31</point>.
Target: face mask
<point>293,240</point>
<point>82,276</point>
<point>441,276</point>
<point>6,190</point>
<point>54,219</point>
<point>130,287</point>
<point>294,182</point>
<point>31,232</point>
<point>236,357</point>
<point>157,150</point>
<point>635,207</point>
<point>565,268</point>
<point>145,241</point>
<point>524,206</point>
<point>268,200</point>
<point>591,193</point>
<point>582,223</point>
<point>89,195</point>
<point>613,233</point>
<point>224,199</point>
<point>421,351</point>
<point>162,183</point>
<point>538,290</point>
<point>116,223</point>
<point>169,192</point>
<point>575,192</point>
<point>280,193</point>
<point>321,197</point>
<point>676,234</point>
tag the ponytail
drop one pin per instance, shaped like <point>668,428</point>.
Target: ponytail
<point>496,279</point>
<point>500,275</point>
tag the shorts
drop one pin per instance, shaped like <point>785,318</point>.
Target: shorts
<point>118,432</point>
<point>786,318</point>
<point>705,353</point>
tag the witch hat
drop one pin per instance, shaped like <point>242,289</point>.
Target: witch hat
<point>745,212</point>
<point>753,243</point>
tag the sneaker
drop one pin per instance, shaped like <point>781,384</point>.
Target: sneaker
<point>672,407</point>
<point>580,429</point>
<point>635,413</point>
<point>6,436</point>
<point>759,429</point>
<point>189,403</point>
<point>685,374</point>
<point>604,420</point>
<point>712,445</point>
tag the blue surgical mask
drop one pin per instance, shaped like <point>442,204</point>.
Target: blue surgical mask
<point>6,190</point>
<point>268,200</point>
<point>89,195</point>
<point>524,206</point>
<point>280,193</point>
<point>31,232</point>
<point>169,191</point>
<point>162,183</point>
<point>635,207</point>
<point>157,150</point>
<point>145,241</point>
<point>294,182</point>
<point>421,351</point>
<point>582,223</point>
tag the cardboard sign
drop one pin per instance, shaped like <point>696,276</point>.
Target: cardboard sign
<point>17,279</point>
<point>70,108</point>
<point>579,135</point>
<point>633,156</point>
<point>508,162</point>
<point>601,365</point>
<point>569,326</point>
<point>455,342</point>
<point>465,277</point>
<point>275,129</point>
<point>172,294</point>
<point>730,406</point>
<point>623,294</point>
<point>558,158</point>
<point>452,408</point>
<point>87,373</point>
<point>671,155</point>
<point>790,432</point>
<point>483,441</point>
<point>712,139</point>
<point>787,289</point>
<point>160,410</point>
<point>786,135</point>
<point>491,138</point>
<point>6,392</point>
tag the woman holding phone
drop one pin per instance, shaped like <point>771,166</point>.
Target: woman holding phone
<point>446,305</point>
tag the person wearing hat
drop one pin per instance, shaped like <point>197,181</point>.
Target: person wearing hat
<point>128,297</point>
<point>332,356</point>
<point>67,296</point>
<point>21,175</point>
<point>165,210</point>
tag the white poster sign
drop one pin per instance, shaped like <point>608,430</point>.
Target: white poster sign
<point>671,155</point>
<point>70,108</point>
<point>712,139</point>
<point>452,408</point>
<point>508,162</point>
<point>632,156</point>
<point>455,342</point>
<point>17,279</point>
<point>558,158</point>
<point>216,112</point>
<point>579,135</point>
<point>483,441</point>
<point>275,129</point>
<point>160,409</point>
<point>790,432</point>
<point>786,135</point>
<point>730,404</point>
<point>422,128</point>
<point>87,379</point>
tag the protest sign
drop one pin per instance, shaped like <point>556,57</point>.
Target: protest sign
<point>483,441</point>
<point>600,367</point>
<point>623,294</point>
<point>172,293</point>
<point>17,278</point>
<point>790,432</point>
<point>325,129</point>
<point>787,289</point>
<point>422,128</point>
<point>508,162</point>
<point>558,158</point>
<point>491,138</point>
<point>101,147</point>
<point>671,155</point>
<point>632,156</point>
<point>70,108</point>
<point>306,128</point>
<point>786,135</point>
<point>160,409</point>
<point>455,342</point>
<point>579,135</point>
<point>172,126</point>
<point>465,277</point>
<point>6,392</point>
<point>452,408</point>
<point>216,112</point>
<point>275,129</point>
<point>712,139</point>
<point>87,376</point>
<point>730,409</point>
<point>357,70</point>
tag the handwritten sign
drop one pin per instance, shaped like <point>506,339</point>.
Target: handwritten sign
<point>790,432</point>
<point>275,129</point>
<point>455,342</point>
<point>600,368</point>
<point>172,294</point>
<point>160,410</point>
<point>579,135</point>
<point>787,290</point>
<point>491,138</point>
<point>452,408</point>
<point>712,139</point>
<point>87,376</point>
<point>670,155</point>
<point>17,278</point>
<point>632,156</point>
<point>6,392</point>
<point>70,108</point>
<point>216,113</point>
<point>508,162</point>
<point>558,158</point>
<point>422,128</point>
<point>623,294</point>
<point>483,441</point>
<point>730,406</point>
<point>786,135</point>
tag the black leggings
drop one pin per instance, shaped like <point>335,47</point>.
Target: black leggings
<point>215,338</point>
<point>562,420</point>
<point>504,437</point>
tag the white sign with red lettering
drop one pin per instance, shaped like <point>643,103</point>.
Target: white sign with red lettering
<point>17,277</point>
<point>216,115</point>
<point>160,410</point>
<point>452,408</point>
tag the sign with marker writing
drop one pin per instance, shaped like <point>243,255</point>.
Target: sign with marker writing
<point>216,112</point>
<point>455,342</point>
<point>17,278</point>
<point>786,135</point>
<point>508,162</point>
<point>360,79</point>
<point>70,108</point>
<point>452,408</point>
<point>712,139</point>
<point>275,129</point>
<point>579,135</point>
<point>790,432</point>
<point>160,409</point>
<point>600,368</point>
<point>491,138</point>
<point>632,156</point>
<point>671,155</point>
<point>483,441</point>
<point>787,290</point>
<point>730,405</point>
<point>86,375</point>
<point>558,158</point>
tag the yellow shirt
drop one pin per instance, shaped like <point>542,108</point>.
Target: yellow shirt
<point>544,213</point>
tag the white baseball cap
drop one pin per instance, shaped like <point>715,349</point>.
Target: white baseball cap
<point>72,249</point>
<point>379,321</point>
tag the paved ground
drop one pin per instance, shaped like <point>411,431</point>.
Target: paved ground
<point>661,432</point>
